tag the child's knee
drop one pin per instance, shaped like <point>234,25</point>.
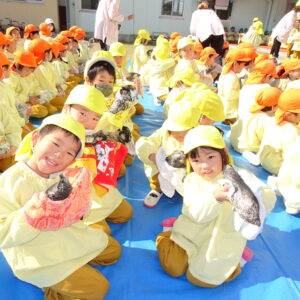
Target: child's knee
<point>121,214</point>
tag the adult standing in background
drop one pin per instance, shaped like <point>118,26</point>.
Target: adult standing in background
<point>283,28</point>
<point>207,27</point>
<point>107,22</point>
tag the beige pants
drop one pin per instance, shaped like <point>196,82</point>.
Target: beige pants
<point>154,183</point>
<point>121,214</point>
<point>26,131</point>
<point>86,282</point>
<point>122,171</point>
<point>139,109</point>
<point>174,260</point>
<point>51,108</point>
<point>6,163</point>
<point>39,111</point>
<point>129,159</point>
<point>58,102</point>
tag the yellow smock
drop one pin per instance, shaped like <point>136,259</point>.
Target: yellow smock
<point>46,77</point>
<point>20,85</point>
<point>276,142</point>
<point>288,180</point>
<point>175,92</point>
<point>229,91</point>
<point>139,59</point>
<point>205,229</point>
<point>42,258</point>
<point>246,134</point>
<point>159,75</point>
<point>148,145</point>
<point>7,97</point>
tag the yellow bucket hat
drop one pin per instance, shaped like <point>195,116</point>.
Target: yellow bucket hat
<point>185,41</point>
<point>61,120</point>
<point>162,51</point>
<point>181,117</point>
<point>117,49</point>
<point>99,56</point>
<point>203,135</point>
<point>187,76</point>
<point>89,97</point>
<point>210,104</point>
<point>142,34</point>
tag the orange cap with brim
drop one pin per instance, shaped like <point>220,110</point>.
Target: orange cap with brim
<point>61,47</point>
<point>261,57</point>
<point>44,29</point>
<point>290,65</point>
<point>265,97</point>
<point>289,101</point>
<point>28,29</point>
<point>55,48</point>
<point>10,38</point>
<point>73,28</point>
<point>251,53</point>
<point>245,45</point>
<point>4,61</point>
<point>9,30</point>
<point>198,47</point>
<point>174,35</point>
<point>66,33</point>
<point>79,34</point>
<point>263,68</point>
<point>62,39</point>
<point>174,43</point>
<point>4,40</point>
<point>25,58</point>
<point>38,48</point>
<point>233,55</point>
<point>206,52</point>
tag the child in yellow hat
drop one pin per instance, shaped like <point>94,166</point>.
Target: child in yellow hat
<point>140,57</point>
<point>279,137</point>
<point>170,138</point>
<point>198,244</point>
<point>32,218</point>
<point>161,71</point>
<point>86,104</point>
<point>118,51</point>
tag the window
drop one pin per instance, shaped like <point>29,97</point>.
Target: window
<point>172,8</point>
<point>28,1</point>
<point>89,4</point>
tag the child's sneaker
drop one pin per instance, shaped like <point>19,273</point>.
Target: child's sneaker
<point>246,256</point>
<point>152,198</point>
<point>167,224</point>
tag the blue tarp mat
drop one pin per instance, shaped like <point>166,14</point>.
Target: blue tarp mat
<point>273,273</point>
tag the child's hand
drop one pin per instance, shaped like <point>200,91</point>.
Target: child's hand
<point>152,157</point>
<point>222,194</point>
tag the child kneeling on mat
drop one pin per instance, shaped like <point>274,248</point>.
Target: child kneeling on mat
<point>40,213</point>
<point>207,243</point>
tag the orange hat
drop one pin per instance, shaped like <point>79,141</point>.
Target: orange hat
<point>263,68</point>
<point>289,101</point>
<point>38,48</point>
<point>44,29</point>
<point>174,43</point>
<point>4,61</point>
<point>265,97</point>
<point>28,29</point>
<point>73,28</point>
<point>4,40</point>
<point>226,45</point>
<point>62,39</point>
<point>61,47</point>
<point>54,47</point>
<point>202,5</point>
<point>198,47</point>
<point>79,34</point>
<point>244,45</point>
<point>260,57</point>
<point>10,29</point>
<point>25,58</point>
<point>250,53</point>
<point>174,35</point>
<point>10,38</point>
<point>66,33</point>
<point>233,55</point>
<point>206,52</point>
<point>1,72</point>
<point>290,65</point>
